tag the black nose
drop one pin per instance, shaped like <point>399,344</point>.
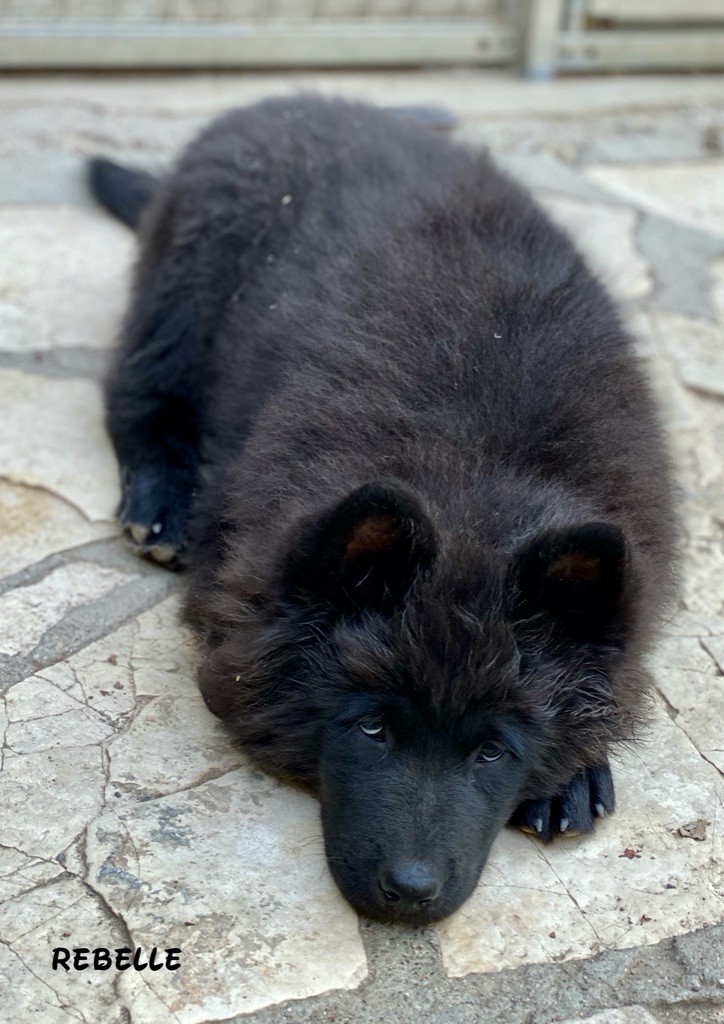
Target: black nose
<point>411,883</point>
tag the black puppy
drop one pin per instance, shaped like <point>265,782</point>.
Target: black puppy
<point>378,405</point>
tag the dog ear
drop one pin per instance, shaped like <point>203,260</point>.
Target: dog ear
<point>362,553</point>
<point>579,577</point>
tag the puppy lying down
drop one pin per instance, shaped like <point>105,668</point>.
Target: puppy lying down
<point>379,409</point>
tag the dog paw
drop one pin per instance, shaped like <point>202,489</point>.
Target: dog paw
<point>154,513</point>
<point>573,810</point>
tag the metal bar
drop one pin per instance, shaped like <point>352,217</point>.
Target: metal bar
<point>541,21</point>
<point>203,45</point>
<point>657,10</point>
<point>621,50</point>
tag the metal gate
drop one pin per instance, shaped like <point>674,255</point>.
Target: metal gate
<point>622,35</point>
<point>253,33</point>
<point>545,36</point>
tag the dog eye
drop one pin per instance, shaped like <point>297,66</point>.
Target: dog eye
<point>375,730</point>
<point>490,752</point>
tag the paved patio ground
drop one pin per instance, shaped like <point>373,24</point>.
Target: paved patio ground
<point>126,818</point>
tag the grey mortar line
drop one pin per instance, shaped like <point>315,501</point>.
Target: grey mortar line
<point>67,363</point>
<point>682,283</point>
<point>578,987</point>
<point>85,624</point>
<point>110,553</point>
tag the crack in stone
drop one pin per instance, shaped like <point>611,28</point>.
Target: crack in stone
<point>57,1004</point>
<point>83,704</point>
<point>66,363</point>
<point>570,895</point>
<point>126,720</point>
<point>149,796</point>
<point>115,918</point>
<point>675,719</point>
<point>106,763</point>
<point>18,482</point>
<point>522,888</point>
<point>705,758</point>
<point>46,921</point>
<point>24,853</point>
<point>672,711</point>
<point>712,656</point>
<point>147,982</point>
<point>33,887</point>
<point>52,714</point>
<point>74,1012</point>
<point>77,1014</point>
<point>32,862</point>
<point>79,681</point>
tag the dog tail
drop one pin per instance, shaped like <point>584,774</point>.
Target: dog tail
<point>123,191</point>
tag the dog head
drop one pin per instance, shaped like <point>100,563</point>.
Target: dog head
<point>426,685</point>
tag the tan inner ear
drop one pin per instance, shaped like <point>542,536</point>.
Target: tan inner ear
<point>576,568</point>
<point>372,535</point>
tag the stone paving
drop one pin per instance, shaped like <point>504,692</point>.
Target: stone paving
<point>127,819</point>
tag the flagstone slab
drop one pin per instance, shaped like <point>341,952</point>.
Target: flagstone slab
<point>715,647</point>
<point>26,997</point>
<point>633,882</point>
<point>41,716</point>
<point>35,524</point>
<point>64,277</point>
<point>173,743</point>
<point>28,612</point>
<point>228,867</point>
<point>694,422</point>
<point>689,676</point>
<point>52,437</point>
<point>232,873</point>
<point>49,796</point>
<point>161,654</point>
<point>151,656</point>
<point>705,377</point>
<point>702,584</point>
<point>691,192</point>
<point>697,701</point>
<point>680,255</point>
<point>605,237</point>
<point>62,912</point>
<point>687,337</point>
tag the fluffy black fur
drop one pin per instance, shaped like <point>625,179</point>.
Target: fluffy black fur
<point>379,406</point>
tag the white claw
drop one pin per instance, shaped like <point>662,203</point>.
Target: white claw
<point>539,824</point>
<point>162,553</point>
<point>564,824</point>
<point>138,532</point>
<point>600,810</point>
<point>156,528</point>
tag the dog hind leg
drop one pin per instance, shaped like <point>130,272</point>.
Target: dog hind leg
<point>154,402</point>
